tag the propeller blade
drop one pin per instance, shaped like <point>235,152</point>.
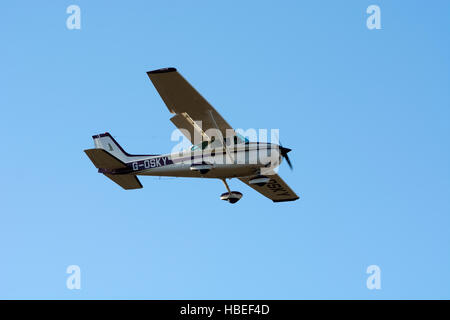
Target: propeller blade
<point>288,162</point>
<point>284,152</point>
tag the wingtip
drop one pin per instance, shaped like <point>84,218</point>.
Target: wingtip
<point>163,70</point>
<point>286,200</point>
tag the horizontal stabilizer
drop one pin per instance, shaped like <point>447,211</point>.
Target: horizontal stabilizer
<point>102,159</point>
<point>125,181</point>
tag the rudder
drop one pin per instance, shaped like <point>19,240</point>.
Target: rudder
<point>106,142</point>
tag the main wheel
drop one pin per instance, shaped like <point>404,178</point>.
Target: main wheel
<point>231,197</point>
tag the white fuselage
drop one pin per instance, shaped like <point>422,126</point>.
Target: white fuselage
<point>236,161</point>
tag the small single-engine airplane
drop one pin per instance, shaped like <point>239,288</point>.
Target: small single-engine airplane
<point>218,151</point>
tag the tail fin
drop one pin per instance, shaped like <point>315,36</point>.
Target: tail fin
<point>108,156</point>
<point>106,142</point>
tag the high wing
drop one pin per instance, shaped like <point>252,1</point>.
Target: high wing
<point>189,107</point>
<point>276,189</point>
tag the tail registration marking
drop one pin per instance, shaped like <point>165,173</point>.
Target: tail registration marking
<point>151,163</point>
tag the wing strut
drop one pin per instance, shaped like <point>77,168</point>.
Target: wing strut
<point>223,138</point>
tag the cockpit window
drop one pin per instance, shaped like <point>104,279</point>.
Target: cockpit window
<point>242,139</point>
<point>202,145</point>
<point>237,139</point>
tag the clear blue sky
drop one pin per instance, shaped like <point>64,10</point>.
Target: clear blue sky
<point>366,113</point>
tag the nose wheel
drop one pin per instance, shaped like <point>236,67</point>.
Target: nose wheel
<point>230,196</point>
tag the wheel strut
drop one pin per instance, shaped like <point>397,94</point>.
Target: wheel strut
<point>226,185</point>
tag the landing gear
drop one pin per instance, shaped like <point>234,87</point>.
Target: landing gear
<point>230,196</point>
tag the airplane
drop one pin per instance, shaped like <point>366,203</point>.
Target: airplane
<point>218,151</point>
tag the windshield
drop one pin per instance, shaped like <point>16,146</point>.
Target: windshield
<point>242,138</point>
<point>238,139</point>
<point>201,146</point>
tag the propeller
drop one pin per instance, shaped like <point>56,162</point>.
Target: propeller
<point>284,153</point>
